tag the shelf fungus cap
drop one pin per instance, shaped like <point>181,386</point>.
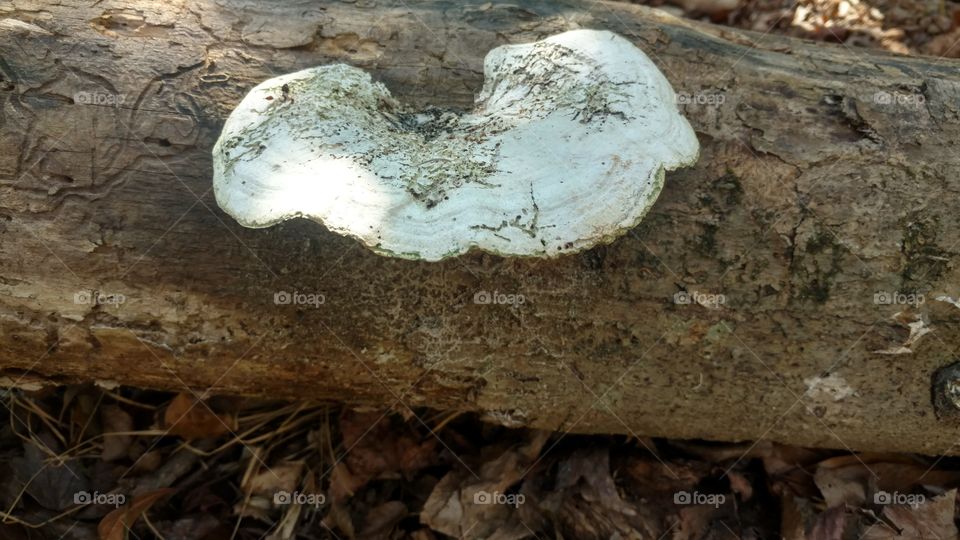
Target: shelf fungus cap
<point>565,149</point>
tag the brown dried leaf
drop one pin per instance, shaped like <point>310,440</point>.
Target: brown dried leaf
<point>944,45</point>
<point>781,459</point>
<point>192,526</point>
<point>853,479</point>
<point>287,528</point>
<point>256,506</point>
<point>147,462</point>
<point>379,447</point>
<point>843,482</point>
<point>338,517</point>
<point>443,511</point>
<point>694,521</point>
<point>740,485</point>
<point>343,483</point>
<point>54,483</point>
<point>284,476</point>
<point>592,467</point>
<point>786,465</point>
<point>115,525</point>
<point>190,418</point>
<point>795,513</point>
<point>460,504</point>
<point>585,502</point>
<point>931,519</point>
<point>652,478</point>
<point>831,525</point>
<point>382,519</point>
<point>114,420</point>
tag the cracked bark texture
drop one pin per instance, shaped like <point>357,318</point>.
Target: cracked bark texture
<point>826,175</point>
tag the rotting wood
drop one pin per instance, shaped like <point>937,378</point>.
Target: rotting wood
<point>827,175</point>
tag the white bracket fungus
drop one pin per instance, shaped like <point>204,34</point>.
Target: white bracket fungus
<point>565,149</point>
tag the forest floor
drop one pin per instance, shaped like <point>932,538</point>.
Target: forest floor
<point>81,462</point>
<point>88,462</point>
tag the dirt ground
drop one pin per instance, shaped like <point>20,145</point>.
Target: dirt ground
<point>113,463</point>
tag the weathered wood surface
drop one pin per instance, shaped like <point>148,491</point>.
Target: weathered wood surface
<point>813,192</point>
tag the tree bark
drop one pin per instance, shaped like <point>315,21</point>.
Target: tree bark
<point>827,175</point>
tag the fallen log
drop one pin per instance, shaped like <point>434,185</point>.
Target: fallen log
<point>784,288</point>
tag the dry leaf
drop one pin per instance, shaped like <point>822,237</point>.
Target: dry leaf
<point>287,529</point>
<point>843,482</point>
<point>591,469</point>
<point>379,447</point>
<point>855,479</point>
<point>694,522</point>
<point>585,502</point>
<point>460,505</point>
<point>53,483</point>
<point>795,513</point>
<point>115,525</point>
<point>147,462</point>
<point>193,526</point>
<point>831,525</point>
<point>284,476</point>
<point>190,418</point>
<point>740,485</point>
<point>660,478</point>
<point>932,519</point>
<point>467,507</point>
<point>380,521</point>
<point>114,420</point>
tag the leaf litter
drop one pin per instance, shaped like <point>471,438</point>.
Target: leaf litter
<point>87,462</point>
